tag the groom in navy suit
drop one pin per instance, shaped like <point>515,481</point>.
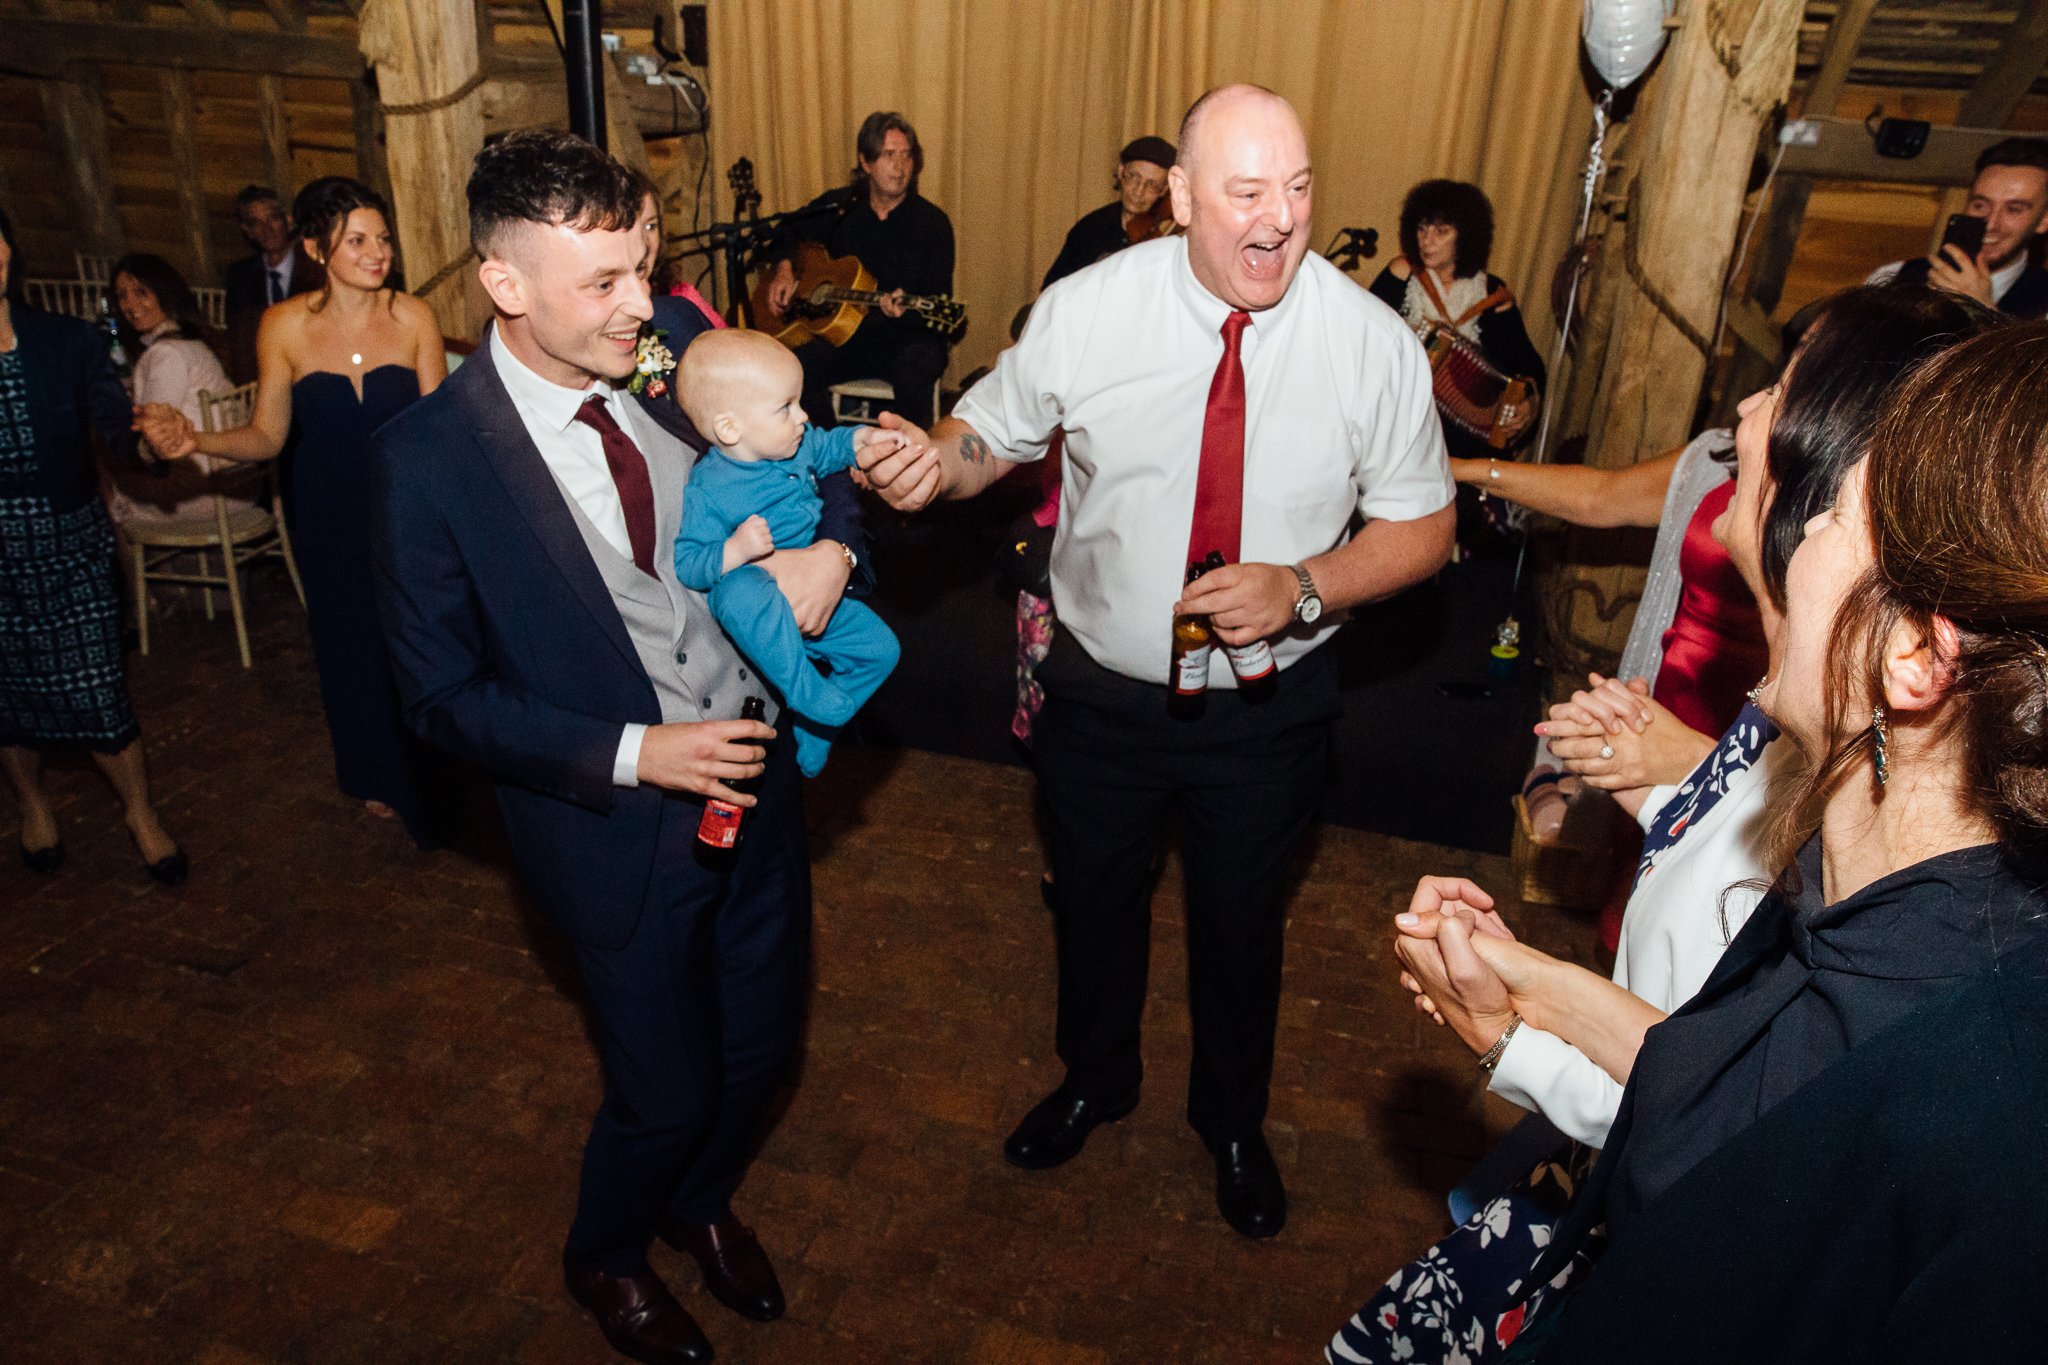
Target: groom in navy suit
<point>524,514</point>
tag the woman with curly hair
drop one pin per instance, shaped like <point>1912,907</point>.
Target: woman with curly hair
<point>1440,280</point>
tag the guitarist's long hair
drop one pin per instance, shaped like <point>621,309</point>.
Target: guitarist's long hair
<point>874,130</point>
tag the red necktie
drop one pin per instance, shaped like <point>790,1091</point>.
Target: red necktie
<point>629,476</point>
<point>1219,486</point>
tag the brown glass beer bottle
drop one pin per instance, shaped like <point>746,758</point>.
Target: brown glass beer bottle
<point>1258,676</point>
<point>1188,689</point>
<point>723,825</point>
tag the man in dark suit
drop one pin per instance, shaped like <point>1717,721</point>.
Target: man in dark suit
<point>522,524</point>
<point>279,269</point>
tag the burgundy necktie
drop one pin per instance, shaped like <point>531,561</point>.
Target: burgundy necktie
<point>1219,486</point>
<point>629,476</point>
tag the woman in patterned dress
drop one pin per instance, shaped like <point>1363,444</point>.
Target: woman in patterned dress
<point>62,683</point>
<point>1704,855</point>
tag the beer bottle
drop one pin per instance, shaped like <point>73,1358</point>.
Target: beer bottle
<point>1258,677</point>
<point>1188,691</point>
<point>722,825</point>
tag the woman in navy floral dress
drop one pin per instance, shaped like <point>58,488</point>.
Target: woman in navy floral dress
<point>62,682</point>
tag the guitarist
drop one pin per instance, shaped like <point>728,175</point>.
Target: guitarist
<point>906,242</point>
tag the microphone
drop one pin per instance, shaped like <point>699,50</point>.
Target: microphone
<point>1353,246</point>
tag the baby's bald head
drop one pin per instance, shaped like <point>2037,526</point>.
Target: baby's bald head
<point>735,385</point>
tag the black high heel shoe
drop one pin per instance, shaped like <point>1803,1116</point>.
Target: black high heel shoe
<point>169,870</point>
<point>43,860</point>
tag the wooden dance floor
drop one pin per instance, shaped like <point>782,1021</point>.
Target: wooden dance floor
<point>325,1103</point>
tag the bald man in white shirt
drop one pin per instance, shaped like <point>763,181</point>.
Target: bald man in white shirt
<point>1337,426</point>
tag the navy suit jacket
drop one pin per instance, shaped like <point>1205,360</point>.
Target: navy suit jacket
<point>73,394</point>
<point>509,651</point>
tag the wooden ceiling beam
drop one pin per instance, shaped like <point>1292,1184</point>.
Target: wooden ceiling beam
<point>2010,72</point>
<point>1845,152</point>
<point>47,47</point>
<point>207,12</point>
<point>287,14</point>
<point>1845,35</point>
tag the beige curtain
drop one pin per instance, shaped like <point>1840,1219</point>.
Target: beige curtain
<point>1022,104</point>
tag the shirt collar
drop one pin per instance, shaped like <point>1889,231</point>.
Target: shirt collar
<point>548,402</point>
<point>1209,311</point>
<point>2004,277</point>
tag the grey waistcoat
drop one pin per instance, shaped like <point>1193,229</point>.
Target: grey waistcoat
<point>697,672</point>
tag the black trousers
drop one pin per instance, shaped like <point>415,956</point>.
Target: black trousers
<point>696,1019</point>
<point>1112,767</point>
<point>910,360</point>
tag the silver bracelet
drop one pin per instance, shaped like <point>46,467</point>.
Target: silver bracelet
<point>1500,1045</point>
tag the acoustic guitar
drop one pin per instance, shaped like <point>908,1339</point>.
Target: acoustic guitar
<point>833,294</point>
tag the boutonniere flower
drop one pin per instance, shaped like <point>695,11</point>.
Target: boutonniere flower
<point>650,362</point>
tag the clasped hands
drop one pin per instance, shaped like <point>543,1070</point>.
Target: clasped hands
<point>170,433</point>
<point>1466,969</point>
<point>1618,738</point>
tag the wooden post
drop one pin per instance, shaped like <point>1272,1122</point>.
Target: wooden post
<point>1728,67</point>
<point>371,166</point>
<point>76,116</point>
<point>277,135</point>
<point>1778,235</point>
<point>186,172</point>
<point>425,52</point>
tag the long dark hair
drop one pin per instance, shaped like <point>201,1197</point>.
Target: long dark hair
<point>1958,501</point>
<point>321,210</point>
<point>1464,207</point>
<point>1856,348</point>
<point>874,131</point>
<point>173,295</point>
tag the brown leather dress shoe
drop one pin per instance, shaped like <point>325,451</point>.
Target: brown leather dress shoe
<point>736,1270</point>
<point>638,1315</point>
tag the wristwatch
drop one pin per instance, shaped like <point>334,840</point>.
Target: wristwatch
<point>846,553</point>
<point>1309,606</point>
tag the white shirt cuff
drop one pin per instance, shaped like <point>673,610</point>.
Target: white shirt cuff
<point>1548,1076</point>
<point>1654,802</point>
<point>626,767</point>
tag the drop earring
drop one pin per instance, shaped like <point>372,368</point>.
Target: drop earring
<point>1883,759</point>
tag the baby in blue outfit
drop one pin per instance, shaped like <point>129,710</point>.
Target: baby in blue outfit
<point>754,492</point>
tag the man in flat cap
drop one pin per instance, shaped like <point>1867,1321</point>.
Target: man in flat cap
<point>1140,186</point>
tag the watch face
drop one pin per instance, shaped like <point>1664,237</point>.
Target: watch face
<point>1309,610</point>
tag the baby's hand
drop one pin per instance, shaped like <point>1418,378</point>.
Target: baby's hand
<point>752,541</point>
<point>878,441</point>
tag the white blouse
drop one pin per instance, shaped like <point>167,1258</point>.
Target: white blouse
<point>1679,919</point>
<point>173,370</point>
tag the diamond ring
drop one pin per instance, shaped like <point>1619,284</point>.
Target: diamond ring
<point>1607,751</point>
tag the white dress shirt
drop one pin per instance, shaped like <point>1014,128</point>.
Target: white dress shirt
<point>1678,922</point>
<point>574,454</point>
<point>1339,422</point>
<point>283,273</point>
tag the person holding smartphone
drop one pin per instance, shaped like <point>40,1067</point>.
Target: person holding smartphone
<point>1987,251</point>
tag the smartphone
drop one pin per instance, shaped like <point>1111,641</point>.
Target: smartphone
<point>1964,230</point>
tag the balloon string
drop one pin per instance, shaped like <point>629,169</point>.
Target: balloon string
<point>1596,170</point>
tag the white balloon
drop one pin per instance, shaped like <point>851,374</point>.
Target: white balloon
<point>1623,37</point>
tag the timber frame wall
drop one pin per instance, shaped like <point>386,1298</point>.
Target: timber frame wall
<point>129,126</point>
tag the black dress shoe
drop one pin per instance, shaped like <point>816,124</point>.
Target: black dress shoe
<point>43,860</point>
<point>637,1315</point>
<point>171,869</point>
<point>1058,1126</point>
<point>736,1270</point>
<point>1248,1189</point>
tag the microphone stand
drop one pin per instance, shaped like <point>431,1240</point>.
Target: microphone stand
<point>740,244</point>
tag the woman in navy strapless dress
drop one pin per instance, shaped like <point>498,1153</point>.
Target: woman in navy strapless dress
<point>334,365</point>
